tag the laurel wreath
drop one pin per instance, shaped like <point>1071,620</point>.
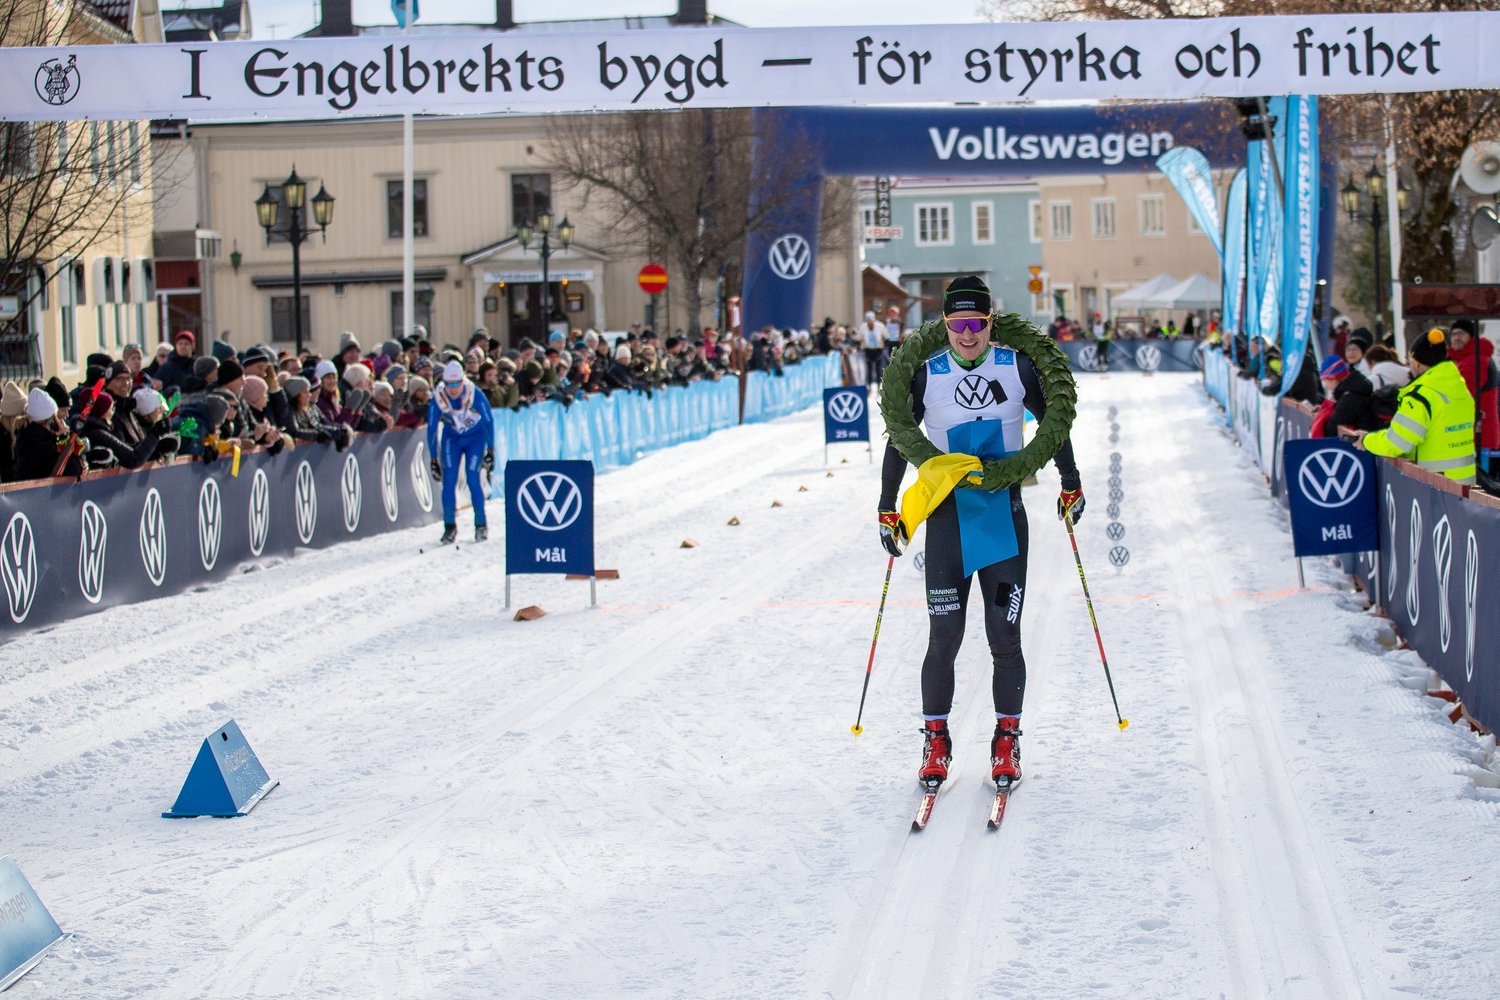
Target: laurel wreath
<point>1006,330</point>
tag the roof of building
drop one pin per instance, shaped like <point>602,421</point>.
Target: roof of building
<point>116,12</point>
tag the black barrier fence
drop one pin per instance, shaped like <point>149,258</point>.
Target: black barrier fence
<point>70,548</point>
<point>1128,355</point>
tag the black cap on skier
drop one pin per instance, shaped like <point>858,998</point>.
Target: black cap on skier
<point>967,292</point>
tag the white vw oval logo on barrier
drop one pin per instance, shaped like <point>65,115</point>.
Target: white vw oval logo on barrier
<point>790,256</point>
<point>153,538</point>
<point>1088,358</point>
<point>260,511</point>
<point>388,484</point>
<point>93,535</point>
<point>1390,523</point>
<point>1442,558</point>
<point>210,522</point>
<point>549,501</point>
<point>1330,477</point>
<point>1278,466</point>
<point>973,393</point>
<point>1148,357</point>
<point>845,407</point>
<point>1413,594</point>
<point>18,566</point>
<point>352,492</point>
<point>420,483</point>
<point>1471,600</point>
<point>307,503</point>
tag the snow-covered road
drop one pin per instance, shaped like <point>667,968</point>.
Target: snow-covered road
<point>661,797</point>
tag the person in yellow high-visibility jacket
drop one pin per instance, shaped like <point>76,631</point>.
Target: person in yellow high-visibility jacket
<point>1434,421</point>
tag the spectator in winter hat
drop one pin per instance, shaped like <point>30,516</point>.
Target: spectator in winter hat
<point>1349,402</point>
<point>39,441</point>
<point>1434,420</point>
<point>204,376</point>
<point>135,360</point>
<point>12,419</point>
<point>391,349</point>
<point>397,376</point>
<point>1356,345</point>
<point>348,352</point>
<point>1475,358</point>
<point>419,395</point>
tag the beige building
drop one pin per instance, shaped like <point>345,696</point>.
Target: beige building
<point>1103,233</point>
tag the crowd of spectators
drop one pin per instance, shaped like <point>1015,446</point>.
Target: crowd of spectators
<point>189,401</point>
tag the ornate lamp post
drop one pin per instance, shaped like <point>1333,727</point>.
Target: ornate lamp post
<point>294,200</point>
<point>526,232</point>
<point>1350,197</point>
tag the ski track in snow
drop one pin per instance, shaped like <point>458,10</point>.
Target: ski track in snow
<point>661,797</point>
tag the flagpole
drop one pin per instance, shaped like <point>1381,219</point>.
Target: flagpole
<point>408,283</point>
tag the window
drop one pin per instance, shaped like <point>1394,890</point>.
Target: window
<point>1039,304</point>
<point>1103,211</point>
<point>935,225</point>
<point>67,288</point>
<point>530,196</point>
<point>80,285</point>
<point>1153,215</point>
<point>984,223</point>
<point>1193,228</point>
<point>18,149</point>
<point>1034,215</point>
<point>95,166</point>
<point>1062,299</point>
<point>64,148</point>
<point>1061,215</point>
<point>281,318</point>
<point>421,314</point>
<point>866,220</point>
<point>393,220</point>
<point>134,136</point>
<point>111,153</point>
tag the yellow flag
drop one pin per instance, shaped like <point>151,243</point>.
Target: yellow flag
<point>936,478</point>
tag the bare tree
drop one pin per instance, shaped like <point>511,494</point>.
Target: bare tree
<point>679,184</point>
<point>63,186</point>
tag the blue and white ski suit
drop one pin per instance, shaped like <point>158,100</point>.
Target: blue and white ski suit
<point>468,432</point>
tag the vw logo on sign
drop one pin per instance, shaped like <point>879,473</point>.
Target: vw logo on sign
<point>1119,555</point>
<point>420,483</point>
<point>57,81</point>
<point>1148,357</point>
<point>1330,477</point>
<point>1442,557</point>
<point>153,538</point>
<point>845,407</point>
<point>352,492</point>
<point>18,567</point>
<point>260,512</point>
<point>1471,601</point>
<point>388,484</point>
<point>1413,591</point>
<point>1115,531</point>
<point>973,393</point>
<point>549,501</point>
<point>92,535</point>
<point>790,256</point>
<point>210,522</point>
<point>307,503</point>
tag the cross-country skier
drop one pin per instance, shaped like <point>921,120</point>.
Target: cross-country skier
<point>468,434</point>
<point>971,399</point>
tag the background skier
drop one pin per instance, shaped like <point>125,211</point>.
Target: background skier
<point>468,443</point>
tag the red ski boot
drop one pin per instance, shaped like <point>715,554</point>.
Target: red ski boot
<point>1005,752</point>
<point>937,753</point>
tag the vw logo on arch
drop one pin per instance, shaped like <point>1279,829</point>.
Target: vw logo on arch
<point>790,256</point>
<point>1331,477</point>
<point>845,407</point>
<point>549,501</point>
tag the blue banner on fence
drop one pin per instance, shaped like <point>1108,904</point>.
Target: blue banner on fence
<point>27,930</point>
<point>1300,234</point>
<point>1331,494</point>
<point>846,414</point>
<point>549,517</point>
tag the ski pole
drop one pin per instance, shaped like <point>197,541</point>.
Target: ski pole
<point>856,729</point>
<point>1068,520</point>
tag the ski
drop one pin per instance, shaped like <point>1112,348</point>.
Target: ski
<point>924,809</point>
<point>1002,797</point>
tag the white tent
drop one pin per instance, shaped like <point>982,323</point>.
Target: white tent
<point>1139,297</point>
<point>1196,292</point>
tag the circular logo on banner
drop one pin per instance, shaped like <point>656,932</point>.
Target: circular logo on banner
<point>1330,477</point>
<point>57,81</point>
<point>1114,426</point>
<point>260,512</point>
<point>1390,522</point>
<point>18,566</point>
<point>790,256</point>
<point>153,538</point>
<point>919,561</point>
<point>1119,555</point>
<point>307,503</point>
<point>388,485</point>
<point>93,534</point>
<point>420,483</point>
<point>352,492</point>
<point>845,407</point>
<point>973,393</point>
<point>1442,557</point>
<point>210,522</point>
<point>1148,357</point>
<point>1114,481</point>
<point>549,501</point>
<point>1115,531</point>
<point>1413,591</point>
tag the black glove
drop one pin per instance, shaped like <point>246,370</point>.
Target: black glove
<point>1070,502</point>
<point>487,463</point>
<point>892,532</point>
<point>437,470</point>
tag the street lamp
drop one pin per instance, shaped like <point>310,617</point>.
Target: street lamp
<point>526,232</point>
<point>1350,198</point>
<point>294,200</point>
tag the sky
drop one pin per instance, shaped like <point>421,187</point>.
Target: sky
<point>285,18</point>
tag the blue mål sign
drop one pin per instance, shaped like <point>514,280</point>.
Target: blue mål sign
<point>846,414</point>
<point>1331,492</point>
<point>549,517</point>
